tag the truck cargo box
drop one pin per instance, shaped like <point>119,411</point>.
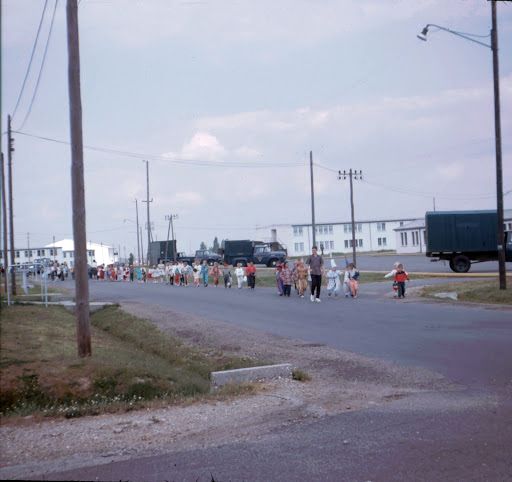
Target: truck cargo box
<point>461,231</point>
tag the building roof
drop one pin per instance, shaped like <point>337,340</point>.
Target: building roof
<point>416,224</point>
<point>318,223</point>
<point>69,245</point>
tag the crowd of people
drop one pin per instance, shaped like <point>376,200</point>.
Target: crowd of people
<point>304,276</point>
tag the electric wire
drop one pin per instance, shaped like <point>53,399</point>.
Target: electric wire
<point>174,160</point>
<point>31,59</point>
<point>417,193</point>
<point>42,66</point>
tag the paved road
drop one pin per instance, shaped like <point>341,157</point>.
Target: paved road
<point>461,435</point>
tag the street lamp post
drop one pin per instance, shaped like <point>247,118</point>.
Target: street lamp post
<point>497,129</point>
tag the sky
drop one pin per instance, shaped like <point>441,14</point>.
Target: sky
<point>227,98</point>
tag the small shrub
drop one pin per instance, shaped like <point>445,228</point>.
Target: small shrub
<point>300,375</point>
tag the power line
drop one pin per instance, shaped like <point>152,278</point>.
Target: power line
<point>42,66</point>
<point>175,160</point>
<point>427,194</point>
<point>31,59</point>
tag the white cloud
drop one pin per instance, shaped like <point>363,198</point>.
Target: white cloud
<point>203,146</point>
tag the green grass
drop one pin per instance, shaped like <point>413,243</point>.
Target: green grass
<point>133,364</point>
<point>474,291</point>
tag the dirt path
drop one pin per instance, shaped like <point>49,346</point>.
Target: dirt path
<point>341,381</point>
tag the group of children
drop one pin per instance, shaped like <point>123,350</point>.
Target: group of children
<point>299,276</point>
<point>199,273</point>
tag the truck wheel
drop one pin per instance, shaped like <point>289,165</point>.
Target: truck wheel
<point>272,263</point>
<point>460,264</point>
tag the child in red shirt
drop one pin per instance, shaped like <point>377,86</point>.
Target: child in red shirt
<point>401,276</point>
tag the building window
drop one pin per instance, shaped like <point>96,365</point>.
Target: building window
<point>71,254</point>
<point>403,238</point>
<point>359,227</point>
<point>381,226</point>
<point>297,230</point>
<point>17,254</point>
<point>347,228</point>
<point>384,242</point>
<point>331,229</point>
<point>299,247</point>
<point>346,243</point>
<point>360,242</point>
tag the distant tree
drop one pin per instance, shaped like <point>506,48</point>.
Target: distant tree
<point>131,259</point>
<point>202,245</point>
<point>215,246</point>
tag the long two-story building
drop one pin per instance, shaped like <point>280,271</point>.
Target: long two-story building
<point>334,237</point>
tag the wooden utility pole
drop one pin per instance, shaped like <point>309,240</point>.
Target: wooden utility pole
<point>352,175</point>
<point>83,330</point>
<point>4,229</point>
<point>170,218</point>
<point>137,220</point>
<point>10,150</point>
<point>313,225</point>
<point>499,167</point>
<point>149,260</point>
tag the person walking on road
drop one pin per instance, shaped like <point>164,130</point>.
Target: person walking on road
<point>300,274</point>
<point>401,276</point>
<point>286,278</point>
<point>352,279</point>
<point>204,273</point>
<point>250,272</point>
<point>239,273</point>
<point>316,265</point>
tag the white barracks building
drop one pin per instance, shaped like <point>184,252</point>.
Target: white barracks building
<point>335,237</point>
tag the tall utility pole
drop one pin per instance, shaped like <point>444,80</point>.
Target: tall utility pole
<point>77,184</point>
<point>170,218</point>
<point>4,229</point>
<point>137,220</point>
<point>28,247</point>
<point>499,167</point>
<point>149,221</point>
<point>352,175</point>
<point>53,249</point>
<point>141,245</point>
<point>313,225</point>
<point>10,150</point>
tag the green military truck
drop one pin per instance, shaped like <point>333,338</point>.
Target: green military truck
<point>464,237</point>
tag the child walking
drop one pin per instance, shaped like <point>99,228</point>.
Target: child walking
<point>401,276</point>
<point>226,274</point>
<point>333,281</point>
<point>286,278</point>
<point>239,273</point>
<point>352,279</point>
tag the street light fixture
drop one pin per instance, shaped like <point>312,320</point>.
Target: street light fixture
<point>497,127</point>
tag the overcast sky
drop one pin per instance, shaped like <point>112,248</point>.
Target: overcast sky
<point>226,98</point>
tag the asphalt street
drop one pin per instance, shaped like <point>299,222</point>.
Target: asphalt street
<point>464,434</point>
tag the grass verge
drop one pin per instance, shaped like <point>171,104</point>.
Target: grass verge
<point>474,291</point>
<point>133,364</point>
